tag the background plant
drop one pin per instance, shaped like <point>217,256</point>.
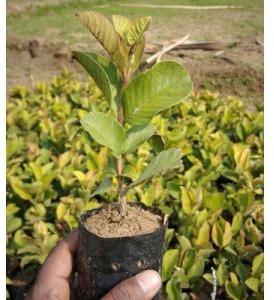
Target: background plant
<point>215,205</point>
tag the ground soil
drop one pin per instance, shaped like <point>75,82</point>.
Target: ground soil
<point>109,222</point>
<point>234,71</point>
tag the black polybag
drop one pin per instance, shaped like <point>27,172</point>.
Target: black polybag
<point>104,262</point>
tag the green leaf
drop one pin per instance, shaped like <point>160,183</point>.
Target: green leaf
<point>30,248</point>
<point>234,291</point>
<point>173,290</point>
<point>242,156</point>
<point>105,185</point>
<point>50,242</point>
<point>121,24</point>
<point>137,55</point>
<point>61,210</point>
<point>19,188</point>
<point>80,175</point>
<point>169,263</point>
<point>253,284</point>
<point>221,233</point>
<point>105,130</point>
<point>13,223</point>
<point>209,278</point>
<point>214,201</point>
<point>11,209</point>
<point>227,234</point>
<point>189,259</point>
<point>22,239</point>
<point>148,197</point>
<point>157,143</point>
<point>236,223</point>
<point>197,269</point>
<point>104,73</point>
<point>37,170</point>
<point>222,273</point>
<point>29,259</point>
<point>163,162</point>
<point>137,135</point>
<point>163,86</point>
<point>203,235</point>
<point>258,265</point>
<point>136,30</point>
<point>187,196</point>
<point>184,242</point>
<point>102,29</point>
<point>65,158</point>
<point>110,168</point>
<point>130,172</point>
<point>90,205</point>
<point>169,236</point>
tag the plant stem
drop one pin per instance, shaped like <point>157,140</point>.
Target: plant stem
<point>120,160</point>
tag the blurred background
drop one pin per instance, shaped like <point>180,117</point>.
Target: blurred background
<point>41,35</point>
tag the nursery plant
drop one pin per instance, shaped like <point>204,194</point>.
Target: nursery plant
<point>119,240</point>
<point>51,169</point>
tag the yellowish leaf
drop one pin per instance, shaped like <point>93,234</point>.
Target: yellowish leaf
<point>102,29</point>
<point>203,235</point>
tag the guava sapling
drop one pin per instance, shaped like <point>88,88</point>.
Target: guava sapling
<point>119,240</point>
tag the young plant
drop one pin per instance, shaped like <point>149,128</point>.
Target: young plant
<point>133,100</point>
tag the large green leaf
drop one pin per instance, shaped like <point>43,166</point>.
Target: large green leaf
<point>137,135</point>
<point>165,85</point>
<point>164,161</point>
<point>105,130</point>
<point>104,73</point>
<point>102,29</point>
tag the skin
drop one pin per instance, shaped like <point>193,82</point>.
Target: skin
<point>54,279</point>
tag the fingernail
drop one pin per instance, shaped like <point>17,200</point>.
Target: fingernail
<point>150,282</point>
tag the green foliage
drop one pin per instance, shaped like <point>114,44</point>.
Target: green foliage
<point>165,85</point>
<point>53,166</point>
<point>163,162</point>
<point>104,31</point>
<point>137,135</point>
<point>104,74</point>
<point>106,131</point>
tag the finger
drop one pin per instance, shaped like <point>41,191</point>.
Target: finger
<point>144,286</point>
<point>53,279</point>
<point>59,262</point>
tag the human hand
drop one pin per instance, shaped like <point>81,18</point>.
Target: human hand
<point>53,280</point>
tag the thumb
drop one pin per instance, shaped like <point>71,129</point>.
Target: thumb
<point>143,286</point>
